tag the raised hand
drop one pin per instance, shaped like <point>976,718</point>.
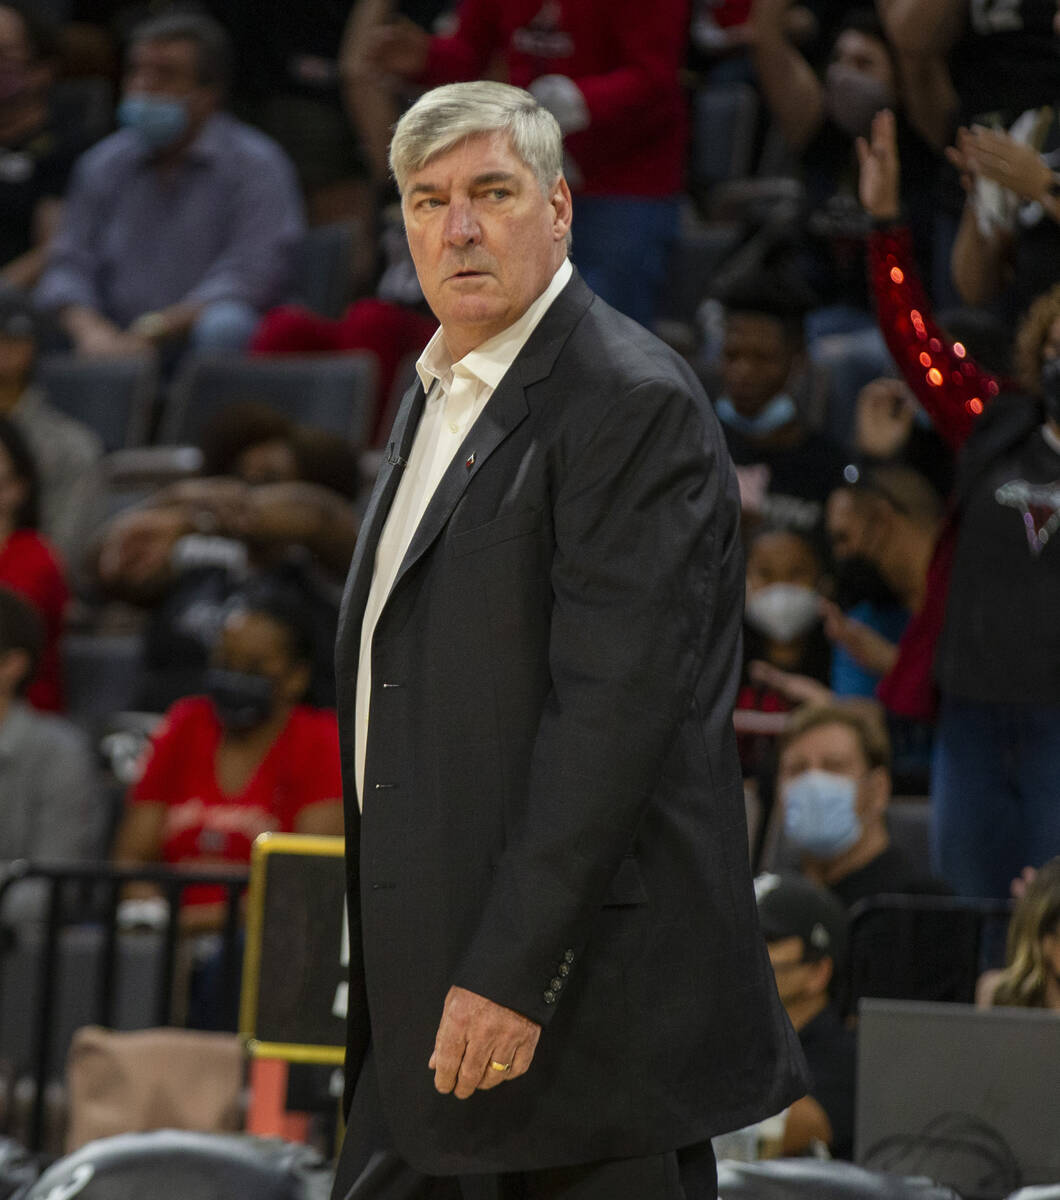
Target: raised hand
<point>883,419</point>
<point>879,179</point>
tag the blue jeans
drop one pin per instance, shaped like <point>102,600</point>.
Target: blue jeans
<point>224,325</point>
<point>622,247</point>
<point>995,793</point>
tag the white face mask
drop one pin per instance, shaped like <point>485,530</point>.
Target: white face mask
<point>783,611</point>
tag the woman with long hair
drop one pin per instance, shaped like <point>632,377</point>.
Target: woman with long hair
<point>1031,976</point>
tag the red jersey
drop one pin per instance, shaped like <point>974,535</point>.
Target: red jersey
<point>625,58</point>
<point>30,567</point>
<point>204,824</point>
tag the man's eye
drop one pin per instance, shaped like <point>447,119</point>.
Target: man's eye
<point>429,202</point>
<point>498,193</point>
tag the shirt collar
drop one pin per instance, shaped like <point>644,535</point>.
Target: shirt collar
<point>490,362</point>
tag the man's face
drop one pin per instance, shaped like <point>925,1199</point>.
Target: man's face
<point>485,239</point>
<point>170,70</point>
<point>836,749</point>
<point>832,748</point>
<point>757,359</point>
<point>849,527</point>
<point>796,978</point>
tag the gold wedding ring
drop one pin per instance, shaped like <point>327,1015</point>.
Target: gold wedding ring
<point>496,1066</point>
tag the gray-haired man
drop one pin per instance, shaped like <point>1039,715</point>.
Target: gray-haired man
<point>557,985</point>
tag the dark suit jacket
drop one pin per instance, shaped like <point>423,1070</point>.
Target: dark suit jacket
<point>553,812</point>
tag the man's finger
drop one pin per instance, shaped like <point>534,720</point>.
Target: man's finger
<point>492,1075</point>
<point>474,1065</point>
<point>521,1060</point>
<point>447,1057</point>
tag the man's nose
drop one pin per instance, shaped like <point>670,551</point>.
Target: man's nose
<point>461,227</point>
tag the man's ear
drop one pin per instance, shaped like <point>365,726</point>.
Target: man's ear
<point>562,209</point>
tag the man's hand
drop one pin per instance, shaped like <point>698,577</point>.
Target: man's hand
<point>883,420</point>
<point>798,689</point>
<point>865,646</point>
<point>138,547</point>
<point>879,178</point>
<point>998,156</point>
<point>474,1032</point>
<point>103,340</point>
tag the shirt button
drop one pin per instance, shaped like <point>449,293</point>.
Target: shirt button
<point>454,427</point>
<point>550,997</point>
<point>563,970</point>
<point>568,956</point>
<point>555,985</point>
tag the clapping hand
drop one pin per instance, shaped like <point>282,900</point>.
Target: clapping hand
<point>996,155</point>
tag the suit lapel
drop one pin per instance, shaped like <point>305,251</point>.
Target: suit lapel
<point>359,579</point>
<point>505,410</point>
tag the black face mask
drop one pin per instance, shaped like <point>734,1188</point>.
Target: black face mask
<point>1050,384</point>
<point>241,700</point>
<point>857,581</point>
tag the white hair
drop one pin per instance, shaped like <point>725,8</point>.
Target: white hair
<point>447,115</point>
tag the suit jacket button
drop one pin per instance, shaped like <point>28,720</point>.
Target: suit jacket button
<point>550,997</point>
<point>556,984</point>
<point>568,956</point>
<point>563,970</point>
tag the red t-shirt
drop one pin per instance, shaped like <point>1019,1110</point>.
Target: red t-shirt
<point>31,567</point>
<point>203,824</point>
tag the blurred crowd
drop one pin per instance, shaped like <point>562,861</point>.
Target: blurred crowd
<point>846,218</point>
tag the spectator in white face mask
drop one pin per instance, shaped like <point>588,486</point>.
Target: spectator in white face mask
<point>782,629</point>
<point>834,784</point>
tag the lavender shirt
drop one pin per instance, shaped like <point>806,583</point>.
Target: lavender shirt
<point>220,225</point>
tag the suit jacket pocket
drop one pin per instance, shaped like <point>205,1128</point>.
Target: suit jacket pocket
<point>501,529</point>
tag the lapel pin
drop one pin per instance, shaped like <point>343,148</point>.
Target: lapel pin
<point>470,462</point>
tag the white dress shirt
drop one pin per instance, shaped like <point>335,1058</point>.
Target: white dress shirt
<point>456,395</point>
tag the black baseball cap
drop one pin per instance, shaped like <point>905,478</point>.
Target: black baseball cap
<point>792,906</point>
